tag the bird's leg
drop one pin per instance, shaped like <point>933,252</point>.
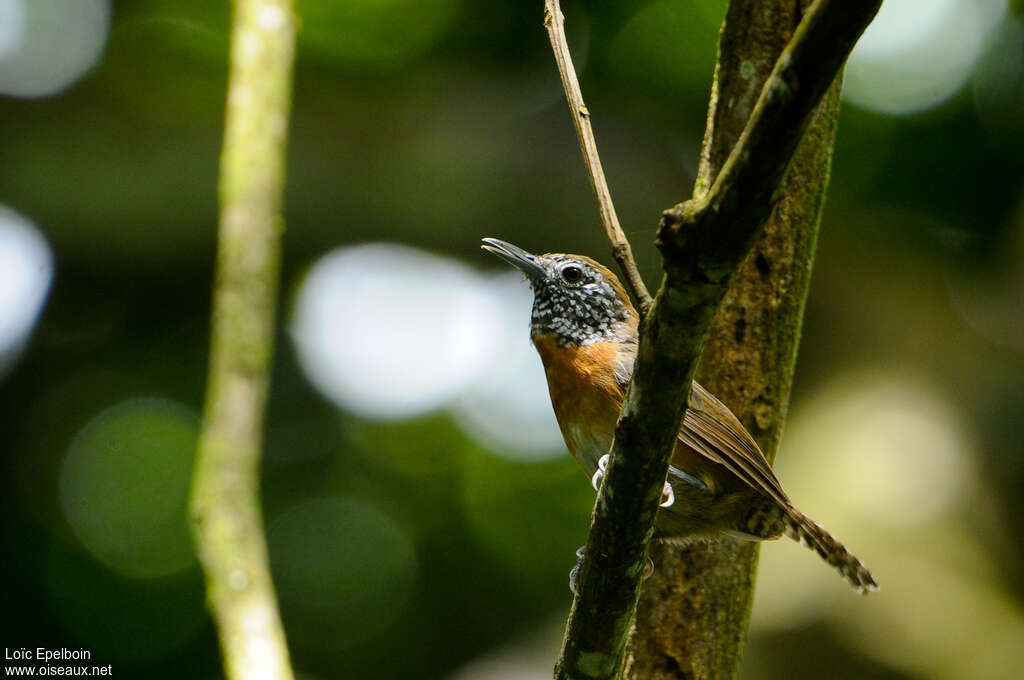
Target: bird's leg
<point>668,497</point>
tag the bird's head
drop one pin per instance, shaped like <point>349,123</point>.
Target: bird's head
<point>575,299</point>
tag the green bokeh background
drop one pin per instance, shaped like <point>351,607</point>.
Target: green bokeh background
<point>434,123</point>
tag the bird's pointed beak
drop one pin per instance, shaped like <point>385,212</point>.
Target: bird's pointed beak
<point>515,256</point>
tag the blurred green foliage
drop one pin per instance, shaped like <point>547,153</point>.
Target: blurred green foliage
<point>406,550</point>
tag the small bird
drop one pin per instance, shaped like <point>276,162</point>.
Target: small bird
<point>719,482</point>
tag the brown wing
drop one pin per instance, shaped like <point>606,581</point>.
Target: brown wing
<point>712,430</point>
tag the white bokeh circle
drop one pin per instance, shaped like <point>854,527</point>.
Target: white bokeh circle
<point>46,45</point>
<point>26,269</point>
<point>387,331</point>
<point>12,27</point>
<point>508,408</point>
<point>916,54</point>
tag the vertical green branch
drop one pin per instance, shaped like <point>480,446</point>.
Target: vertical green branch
<point>225,506</point>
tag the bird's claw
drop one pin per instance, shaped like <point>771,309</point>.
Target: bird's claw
<point>668,496</point>
<point>602,468</point>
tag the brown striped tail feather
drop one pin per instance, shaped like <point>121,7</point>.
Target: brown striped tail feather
<point>805,530</point>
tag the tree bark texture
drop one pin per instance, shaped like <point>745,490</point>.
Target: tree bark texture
<point>693,615</point>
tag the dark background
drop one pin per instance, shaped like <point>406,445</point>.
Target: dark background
<point>411,547</point>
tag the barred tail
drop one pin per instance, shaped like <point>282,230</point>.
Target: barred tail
<point>806,531</point>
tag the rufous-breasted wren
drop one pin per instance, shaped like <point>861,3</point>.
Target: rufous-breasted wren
<point>719,482</point>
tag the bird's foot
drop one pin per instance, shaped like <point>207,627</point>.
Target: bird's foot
<point>602,468</point>
<point>668,496</point>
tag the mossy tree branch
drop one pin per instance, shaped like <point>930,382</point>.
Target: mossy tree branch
<point>227,522</point>
<point>703,244</point>
<point>693,618</point>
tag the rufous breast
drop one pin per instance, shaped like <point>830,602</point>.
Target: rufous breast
<point>585,393</point>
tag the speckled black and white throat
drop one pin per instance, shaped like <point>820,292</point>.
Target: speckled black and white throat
<point>581,315</point>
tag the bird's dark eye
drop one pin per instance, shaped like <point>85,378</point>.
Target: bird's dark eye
<point>572,273</point>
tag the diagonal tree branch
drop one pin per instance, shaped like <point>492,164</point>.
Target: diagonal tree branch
<point>699,238</point>
<point>225,508</point>
<point>703,243</point>
<point>554,22</point>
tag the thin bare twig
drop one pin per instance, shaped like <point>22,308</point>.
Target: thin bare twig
<point>227,521</point>
<point>554,22</point>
